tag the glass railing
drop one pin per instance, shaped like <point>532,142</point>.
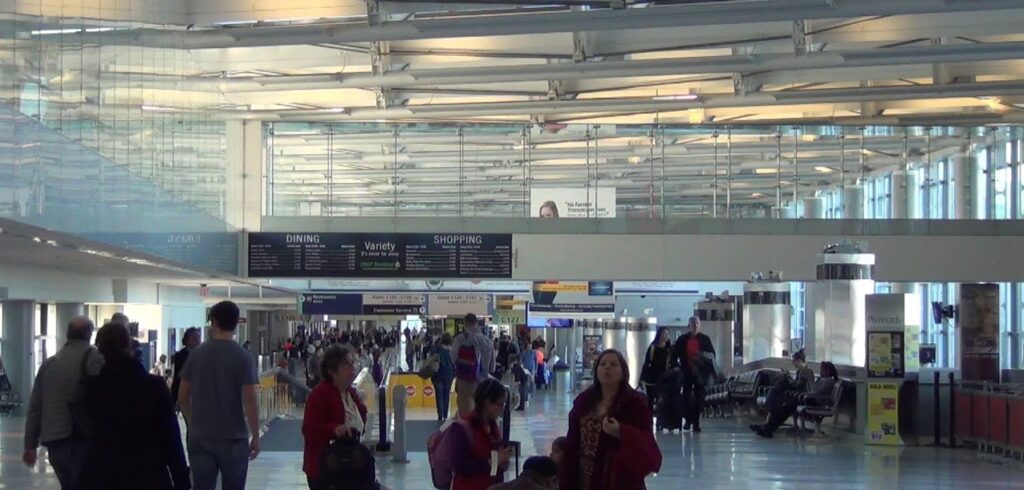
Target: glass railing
<point>49,181</point>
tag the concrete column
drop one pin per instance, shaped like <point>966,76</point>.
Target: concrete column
<point>853,202</point>
<point>904,287</point>
<point>65,312</point>
<point>899,195</point>
<point>915,207</point>
<point>244,192</point>
<point>814,208</point>
<point>16,347</point>
<point>964,194</point>
<point>977,177</point>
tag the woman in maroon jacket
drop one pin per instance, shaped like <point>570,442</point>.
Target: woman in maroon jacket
<point>333,410</point>
<point>610,444</point>
<point>480,440</point>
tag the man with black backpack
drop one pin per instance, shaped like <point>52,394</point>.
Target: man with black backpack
<point>473,357</point>
<point>49,420</point>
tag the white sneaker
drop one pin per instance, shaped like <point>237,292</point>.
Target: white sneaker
<point>677,431</point>
<point>665,430</point>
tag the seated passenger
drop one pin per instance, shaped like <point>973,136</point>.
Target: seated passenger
<point>801,383</point>
<point>783,407</point>
<point>333,411</point>
<point>539,473</point>
<point>473,455</point>
<point>610,444</point>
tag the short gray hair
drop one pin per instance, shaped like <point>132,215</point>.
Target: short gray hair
<point>80,328</point>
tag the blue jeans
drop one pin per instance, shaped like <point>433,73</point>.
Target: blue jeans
<point>67,457</point>
<point>210,457</point>
<point>442,396</point>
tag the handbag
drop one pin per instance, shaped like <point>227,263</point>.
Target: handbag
<point>429,367</point>
<point>81,425</point>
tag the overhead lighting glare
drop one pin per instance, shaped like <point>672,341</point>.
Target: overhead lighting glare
<point>824,170</point>
<point>51,32</point>
<point>766,171</point>
<point>690,97</point>
<point>335,110</point>
<point>157,108</point>
<point>757,194</point>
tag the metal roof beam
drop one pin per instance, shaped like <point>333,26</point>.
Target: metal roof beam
<point>675,16</point>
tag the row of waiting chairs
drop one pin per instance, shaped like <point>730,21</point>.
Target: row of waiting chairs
<point>748,392</point>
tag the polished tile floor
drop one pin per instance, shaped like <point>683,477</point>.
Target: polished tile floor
<point>725,455</point>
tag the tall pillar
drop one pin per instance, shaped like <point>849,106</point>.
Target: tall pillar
<point>977,172</point>
<point>899,195</point>
<point>904,287</point>
<point>65,312</point>
<point>16,346</point>
<point>814,208</point>
<point>964,195</point>
<point>915,207</point>
<point>853,202</point>
<point>244,162</point>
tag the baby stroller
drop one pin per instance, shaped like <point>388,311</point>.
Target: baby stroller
<point>670,400</point>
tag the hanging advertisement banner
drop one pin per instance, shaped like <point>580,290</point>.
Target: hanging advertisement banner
<point>568,202</point>
<point>979,332</point>
<point>458,304</point>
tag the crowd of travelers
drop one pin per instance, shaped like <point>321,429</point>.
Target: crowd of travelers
<point>109,424</point>
<point>76,407</point>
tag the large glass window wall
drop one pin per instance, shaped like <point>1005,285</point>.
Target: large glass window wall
<point>116,143</point>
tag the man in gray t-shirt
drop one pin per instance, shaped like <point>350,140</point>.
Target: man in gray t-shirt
<point>218,399</point>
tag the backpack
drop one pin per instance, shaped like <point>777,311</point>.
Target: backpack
<point>347,464</point>
<point>467,363</point>
<point>440,447</point>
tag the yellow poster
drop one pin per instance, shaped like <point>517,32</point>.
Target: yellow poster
<point>883,414</point>
<point>880,353</point>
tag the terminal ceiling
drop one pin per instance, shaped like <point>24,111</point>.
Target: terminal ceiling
<point>560,68</point>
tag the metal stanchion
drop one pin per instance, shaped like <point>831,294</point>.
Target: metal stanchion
<point>936,402</point>
<point>952,411</point>
<point>506,417</point>
<point>382,407</point>
<point>400,451</point>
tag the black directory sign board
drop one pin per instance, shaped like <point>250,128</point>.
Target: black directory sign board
<point>415,255</point>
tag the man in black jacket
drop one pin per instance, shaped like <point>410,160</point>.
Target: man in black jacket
<point>695,354</point>
<point>190,340</point>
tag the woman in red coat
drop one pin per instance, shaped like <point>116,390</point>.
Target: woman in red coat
<point>480,440</point>
<point>610,444</point>
<point>333,410</point>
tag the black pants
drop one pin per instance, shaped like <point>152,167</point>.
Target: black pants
<point>693,400</point>
<point>782,408</point>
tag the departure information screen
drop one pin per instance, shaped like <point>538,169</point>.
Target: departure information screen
<point>414,255</point>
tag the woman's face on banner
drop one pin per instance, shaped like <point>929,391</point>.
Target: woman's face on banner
<point>547,212</point>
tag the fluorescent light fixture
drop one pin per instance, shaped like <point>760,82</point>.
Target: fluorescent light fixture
<point>335,110</point>
<point>157,108</point>
<point>690,97</point>
<point>766,171</point>
<point>757,194</point>
<point>824,170</point>
<point>50,32</point>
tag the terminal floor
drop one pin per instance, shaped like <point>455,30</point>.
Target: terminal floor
<point>725,455</point>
